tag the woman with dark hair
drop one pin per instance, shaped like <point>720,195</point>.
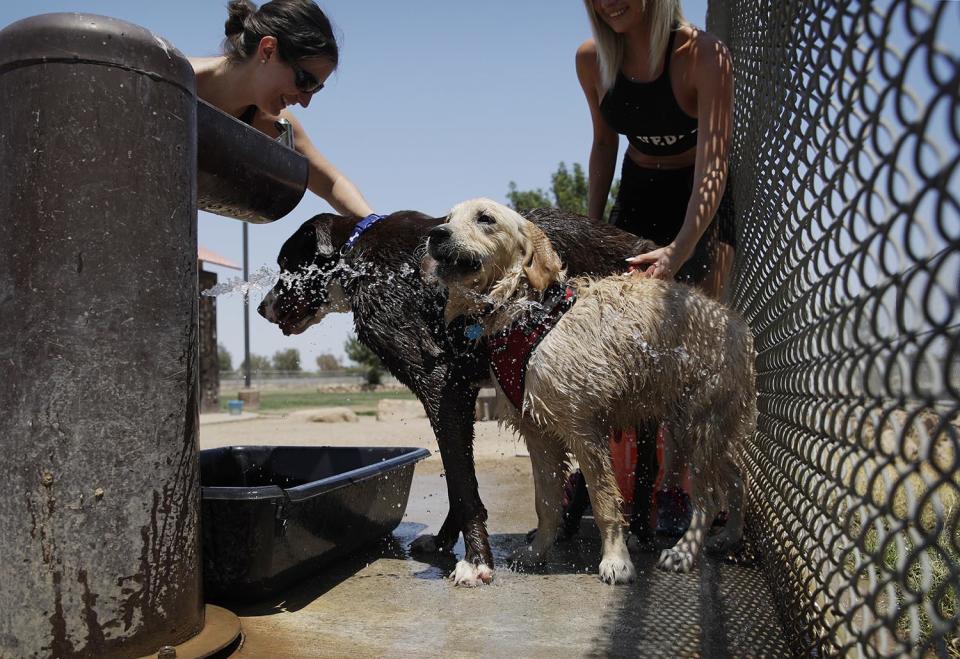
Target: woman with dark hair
<point>274,57</point>
<point>652,76</point>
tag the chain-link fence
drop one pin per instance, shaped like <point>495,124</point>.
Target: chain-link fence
<point>844,166</point>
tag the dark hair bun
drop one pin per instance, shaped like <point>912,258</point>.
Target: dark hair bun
<point>300,27</point>
<point>239,10</point>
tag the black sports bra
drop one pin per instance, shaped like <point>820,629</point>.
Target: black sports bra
<point>648,113</point>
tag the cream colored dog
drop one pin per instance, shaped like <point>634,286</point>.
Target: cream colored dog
<point>630,348</point>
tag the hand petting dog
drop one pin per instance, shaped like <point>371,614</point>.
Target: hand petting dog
<point>661,263</point>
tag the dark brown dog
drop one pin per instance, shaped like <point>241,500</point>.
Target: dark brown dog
<point>400,318</point>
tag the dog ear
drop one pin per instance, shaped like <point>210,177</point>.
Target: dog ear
<point>541,264</point>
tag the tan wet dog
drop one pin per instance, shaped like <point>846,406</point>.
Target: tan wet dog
<point>629,348</point>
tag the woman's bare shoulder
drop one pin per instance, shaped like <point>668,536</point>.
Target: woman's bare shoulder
<point>587,51</point>
<point>700,52</point>
<point>204,64</point>
<point>587,62</point>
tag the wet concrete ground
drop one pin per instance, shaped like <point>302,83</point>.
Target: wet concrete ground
<point>385,602</point>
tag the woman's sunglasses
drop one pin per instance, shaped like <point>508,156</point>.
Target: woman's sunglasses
<point>304,80</point>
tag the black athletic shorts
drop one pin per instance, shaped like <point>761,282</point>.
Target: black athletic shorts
<point>652,204</point>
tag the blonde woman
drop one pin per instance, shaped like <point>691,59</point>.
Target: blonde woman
<point>650,75</point>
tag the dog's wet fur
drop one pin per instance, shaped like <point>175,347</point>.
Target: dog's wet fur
<point>631,348</point>
<point>398,314</point>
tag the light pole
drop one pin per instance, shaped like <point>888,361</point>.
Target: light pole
<point>246,312</point>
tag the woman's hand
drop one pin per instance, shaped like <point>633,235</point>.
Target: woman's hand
<point>662,263</point>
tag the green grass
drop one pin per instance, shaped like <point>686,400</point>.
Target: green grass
<point>362,402</point>
<point>940,561</point>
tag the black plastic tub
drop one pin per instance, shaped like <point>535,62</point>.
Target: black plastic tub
<point>271,514</point>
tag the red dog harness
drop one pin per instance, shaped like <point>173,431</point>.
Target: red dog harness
<point>511,348</point>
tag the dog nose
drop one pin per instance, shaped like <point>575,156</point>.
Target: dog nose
<point>265,308</point>
<point>439,234</point>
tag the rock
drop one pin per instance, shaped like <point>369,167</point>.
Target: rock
<point>327,415</point>
<point>399,410</point>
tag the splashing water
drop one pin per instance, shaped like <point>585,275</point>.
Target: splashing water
<point>266,277</point>
<point>261,280</point>
<point>679,353</point>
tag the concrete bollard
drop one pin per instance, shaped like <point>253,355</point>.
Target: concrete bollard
<point>99,539</point>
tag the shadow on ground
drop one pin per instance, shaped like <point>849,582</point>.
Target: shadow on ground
<point>386,602</point>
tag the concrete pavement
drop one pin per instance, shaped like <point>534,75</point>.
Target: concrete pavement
<point>383,602</point>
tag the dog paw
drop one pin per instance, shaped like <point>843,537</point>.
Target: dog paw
<point>617,570</point>
<point>469,575</point>
<point>675,560</point>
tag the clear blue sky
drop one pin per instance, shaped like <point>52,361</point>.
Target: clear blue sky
<point>434,102</point>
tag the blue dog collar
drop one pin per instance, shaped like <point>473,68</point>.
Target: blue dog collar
<point>473,332</point>
<point>358,230</point>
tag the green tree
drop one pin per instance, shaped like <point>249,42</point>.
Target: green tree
<point>527,200</point>
<point>568,191</point>
<point>224,358</point>
<point>258,363</point>
<point>287,360</point>
<point>328,362</point>
<point>361,354</point>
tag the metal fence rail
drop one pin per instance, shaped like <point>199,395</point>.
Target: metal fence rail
<point>844,167</point>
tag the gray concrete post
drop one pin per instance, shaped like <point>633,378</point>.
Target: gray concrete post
<point>99,547</point>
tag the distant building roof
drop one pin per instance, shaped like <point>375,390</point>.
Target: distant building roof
<point>207,256</point>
